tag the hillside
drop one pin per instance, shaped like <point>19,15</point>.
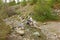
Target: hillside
<point>35,20</point>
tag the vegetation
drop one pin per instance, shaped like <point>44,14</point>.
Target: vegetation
<point>4,30</point>
<point>43,11</point>
<point>12,3</point>
<point>23,3</point>
<point>5,12</point>
<point>33,2</point>
<point>0,2</point>
<point>58,1</point>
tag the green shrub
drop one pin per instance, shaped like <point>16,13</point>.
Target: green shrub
<point>43,11</point>
<point>18,3</point>
<point>3,14</point>
<point>33,2</point>
<point>12,3</point>
<point>0,2</point>
<point>58,1</point>
<point>23,3</point>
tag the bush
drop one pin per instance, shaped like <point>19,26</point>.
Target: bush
<point>43,11</point>
<point>12,3</point>
<point>23,3</point>
<point>0,2</point>
<point>3,14</point>
<point>58,1</point>
<point>33,2</point>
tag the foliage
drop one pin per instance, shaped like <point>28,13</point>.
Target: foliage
<point>23,3</point>
<point>0,2</point>
<point>3,14</point>
<point>43,11</point>
<point>33,2</point>
<point>58,1</point>
<point>12,3</point>
<point>18,3</point>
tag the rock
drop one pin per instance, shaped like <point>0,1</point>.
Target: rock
<point>31,19</point>
<point>21,32</point>
<point>44,23</point>
<point>36,34</point>
<point>28,22</point>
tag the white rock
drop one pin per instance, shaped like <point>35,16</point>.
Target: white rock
<point>31,19</point>
<point>44,23</point>
<point>21,32</point>
<point>36,34</point>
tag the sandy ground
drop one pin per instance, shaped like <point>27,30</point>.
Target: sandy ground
<point>51,30</point>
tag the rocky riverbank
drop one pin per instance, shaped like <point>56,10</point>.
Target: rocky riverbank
<point>22,29</point>
<point>29,29</point>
